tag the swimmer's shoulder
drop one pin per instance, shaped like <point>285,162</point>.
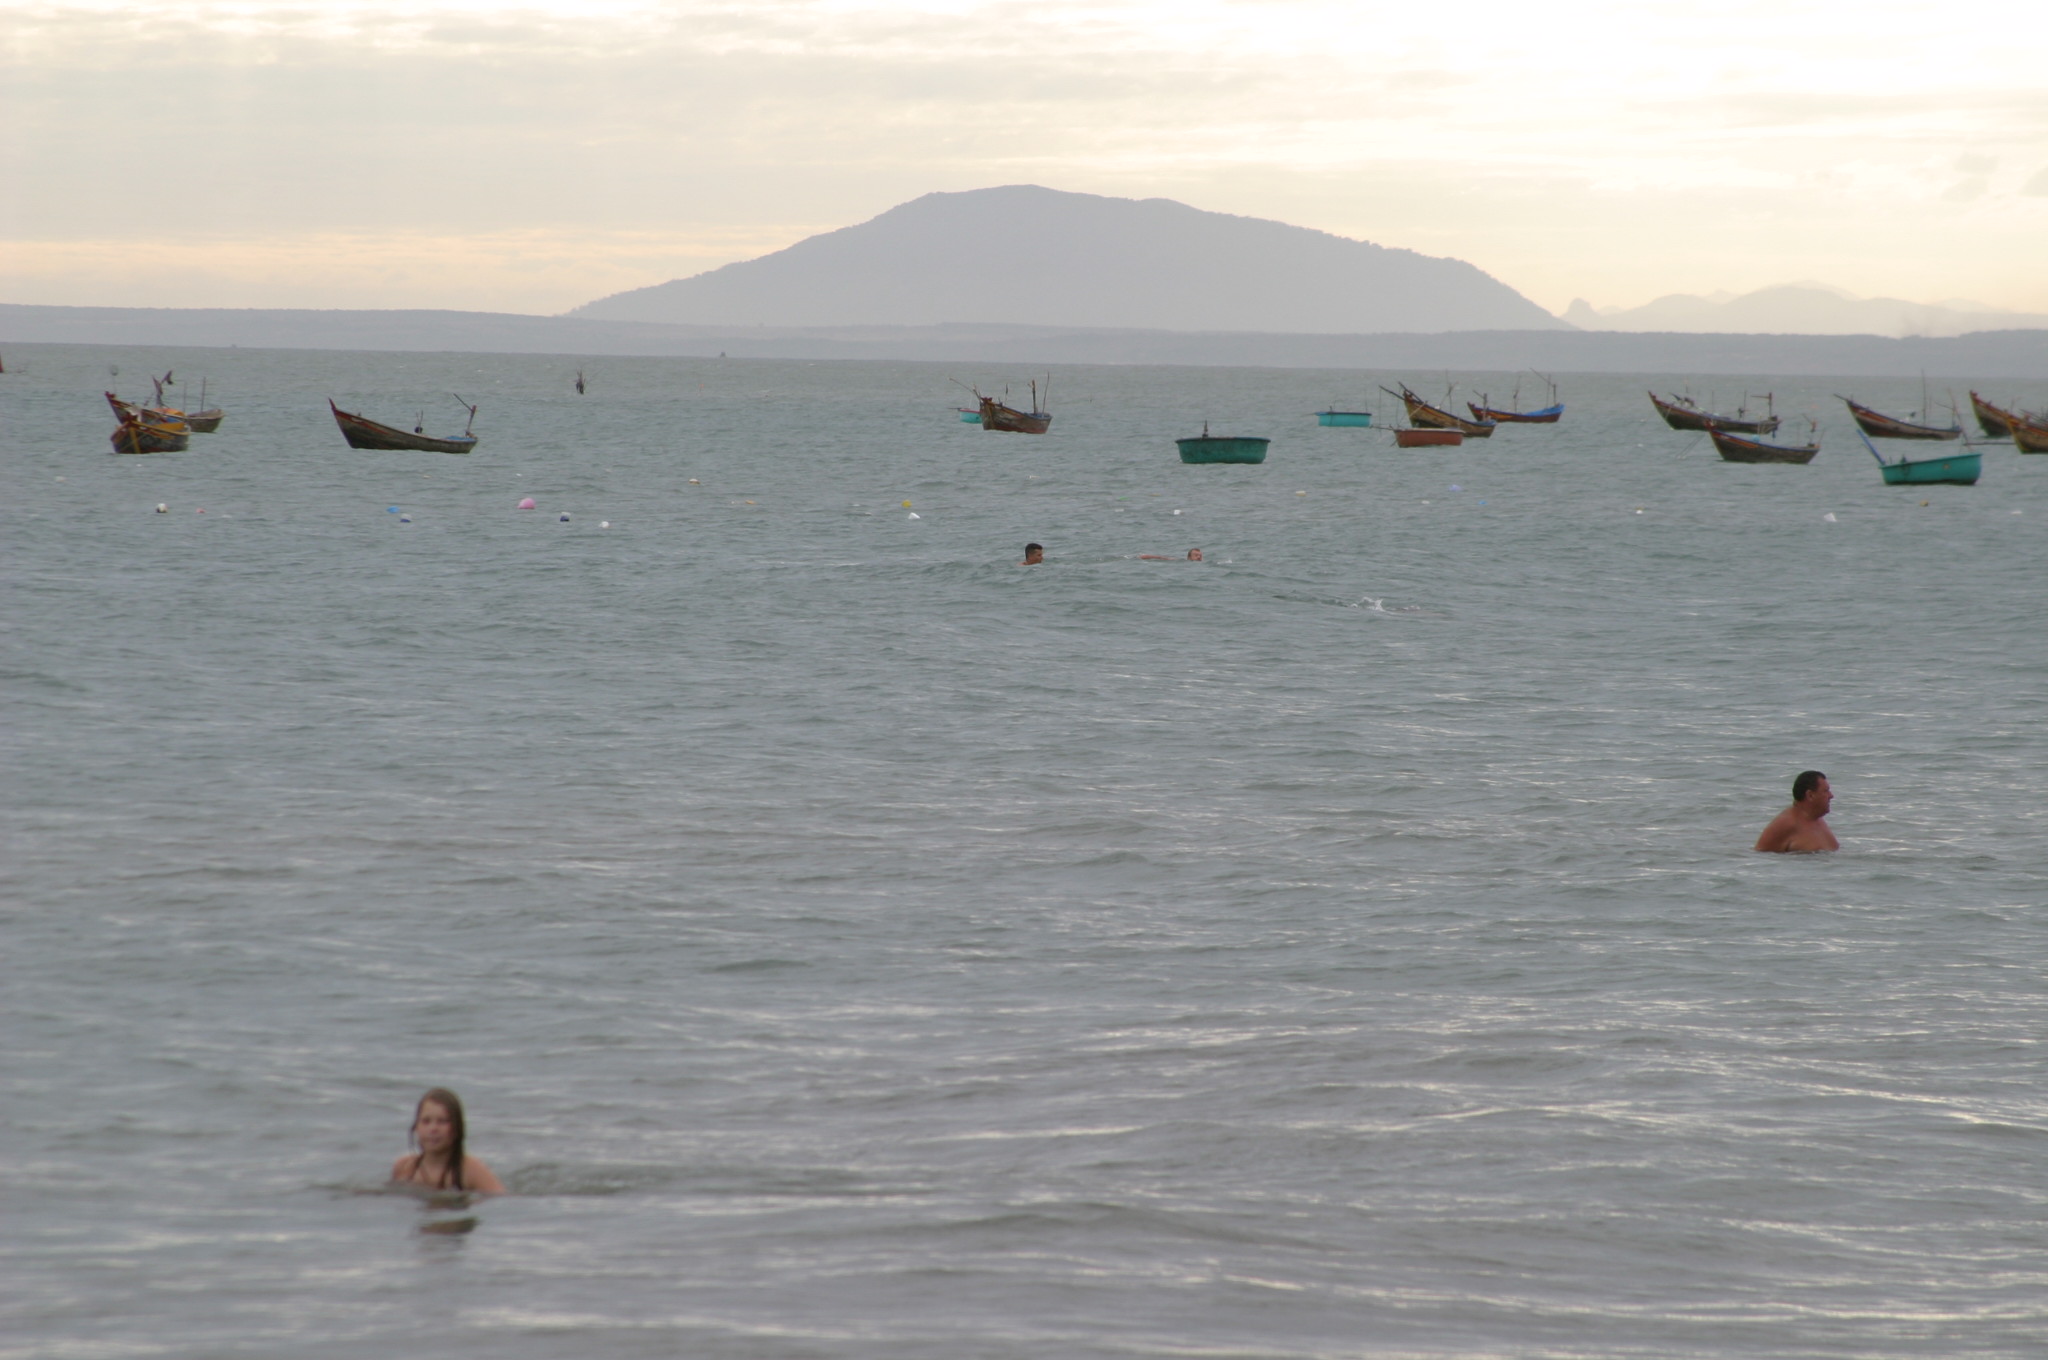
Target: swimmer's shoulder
<point>477,1176</point>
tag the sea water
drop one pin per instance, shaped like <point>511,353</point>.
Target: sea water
<point>851,944</point>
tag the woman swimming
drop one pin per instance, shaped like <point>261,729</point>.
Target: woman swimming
<point>441,1163</point>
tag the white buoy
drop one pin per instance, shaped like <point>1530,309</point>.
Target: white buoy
<point>163,509</point>
<point>1829,517</point>
<point>604,524</point>
<point>915,515</point>
<point>565,519</point>
<point>1176,512</point>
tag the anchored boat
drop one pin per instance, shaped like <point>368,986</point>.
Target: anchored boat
<point>1417,437</point>
<point>1737,448</point>
<point>363,433</point>
<point>1483,409</point>
<point>1222,448</point>
<point>136,435</point>
<point>2030,433</point>
<point>1430,417</point>
<point>996,416</point>
<point>1350,419</point>
<point>1683,413</point>
<point>1878,425</point>
<point>1957,469</point>
<point>1993,420</point>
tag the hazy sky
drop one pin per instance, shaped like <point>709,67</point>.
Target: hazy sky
<point>358,153</point>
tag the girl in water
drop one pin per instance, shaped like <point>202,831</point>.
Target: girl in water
<point>441,1163</point>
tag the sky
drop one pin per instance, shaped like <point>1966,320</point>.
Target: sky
<point>493,157</point>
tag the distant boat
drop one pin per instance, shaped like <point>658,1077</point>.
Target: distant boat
<point>2030,433</point>
<point>1682,413</point>
<point>1222,448</point>
<point>969,415</point>
<point>1878,425</point>
<point>1418,437</point>
<point>206,419</point>
<point>1737,449</point>
<point>1993,420</point>
<point>1422,413</point>
<point>1547,415</point>
<point>996,416</point>
<point>136,435</point>
<point>1351,419</point>
<point>1958,469</point>
<point>368,434</point>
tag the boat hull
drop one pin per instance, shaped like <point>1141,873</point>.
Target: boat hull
<point>2030,436</point>
<point>1223,449</point>
<point>1993,420</point>
<point>1680,417</point>
<point>1424,438</point>
<point>1547,416</point>
<point>1960,469</point>
<point>137,436</point>
<point>1346,419</point>
<point>968,417</point>
<point>205,422</point>
<point>1878,425</point>
<point>996,416</point>
<point>368,434</point>
<point>1736,449</point>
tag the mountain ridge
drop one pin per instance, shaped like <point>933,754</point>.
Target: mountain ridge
<point>1028,255</point>
<point>1800,309</point>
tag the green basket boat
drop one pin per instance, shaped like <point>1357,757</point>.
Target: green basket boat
<point>1353,419</point>
<point>1222,448</point>
<point>1955,469</point>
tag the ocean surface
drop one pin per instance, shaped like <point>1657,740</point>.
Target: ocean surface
<point>851,944</point>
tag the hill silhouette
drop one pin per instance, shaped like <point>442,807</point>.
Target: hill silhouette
<point>1022,254</point>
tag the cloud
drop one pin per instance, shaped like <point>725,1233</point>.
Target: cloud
<point>2037,187</point>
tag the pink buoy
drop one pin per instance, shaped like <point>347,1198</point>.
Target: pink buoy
<point>527,504</point>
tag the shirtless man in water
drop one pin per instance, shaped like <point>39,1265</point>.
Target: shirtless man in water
<point>1802,828</point>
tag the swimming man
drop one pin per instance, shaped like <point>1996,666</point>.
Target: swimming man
<point>1802,828</point>
<point>1034,553</point>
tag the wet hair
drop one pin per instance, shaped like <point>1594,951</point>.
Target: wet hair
<point>1034,547</point>
<point>448,1101</point>
<point>1806,782</point>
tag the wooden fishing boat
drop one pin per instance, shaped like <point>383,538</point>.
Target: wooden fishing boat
<point>1484,409</point>
<point>1422,413</point>
<point>160,416</point>
<point>368,434</point>
<point>1682,413</point>
<point>136,435</point>
<point>1956,469</point>
<point>206,419</point>
<point>1547,416</point>
<point>1419,438</point>
<point>1736,448</point>
<point>2030,433</point>
<point>1993,420</point>
<point>1356,420</point>
<point>996,416</point>
<point>1222,448</point>
<point>1878,425</point>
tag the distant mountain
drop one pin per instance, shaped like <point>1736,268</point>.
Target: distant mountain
<point>1024,254</point>
<point>1801,309</point>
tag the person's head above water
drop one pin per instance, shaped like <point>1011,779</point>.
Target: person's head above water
<point>1803,826</point>
<point>1034,553</point>
<point>1810,781</point>
<point>439,1130</point>
<point>1194,554</point>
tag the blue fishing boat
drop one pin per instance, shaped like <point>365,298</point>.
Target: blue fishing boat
<point>1352,419</point>
<point>1954,469</point>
